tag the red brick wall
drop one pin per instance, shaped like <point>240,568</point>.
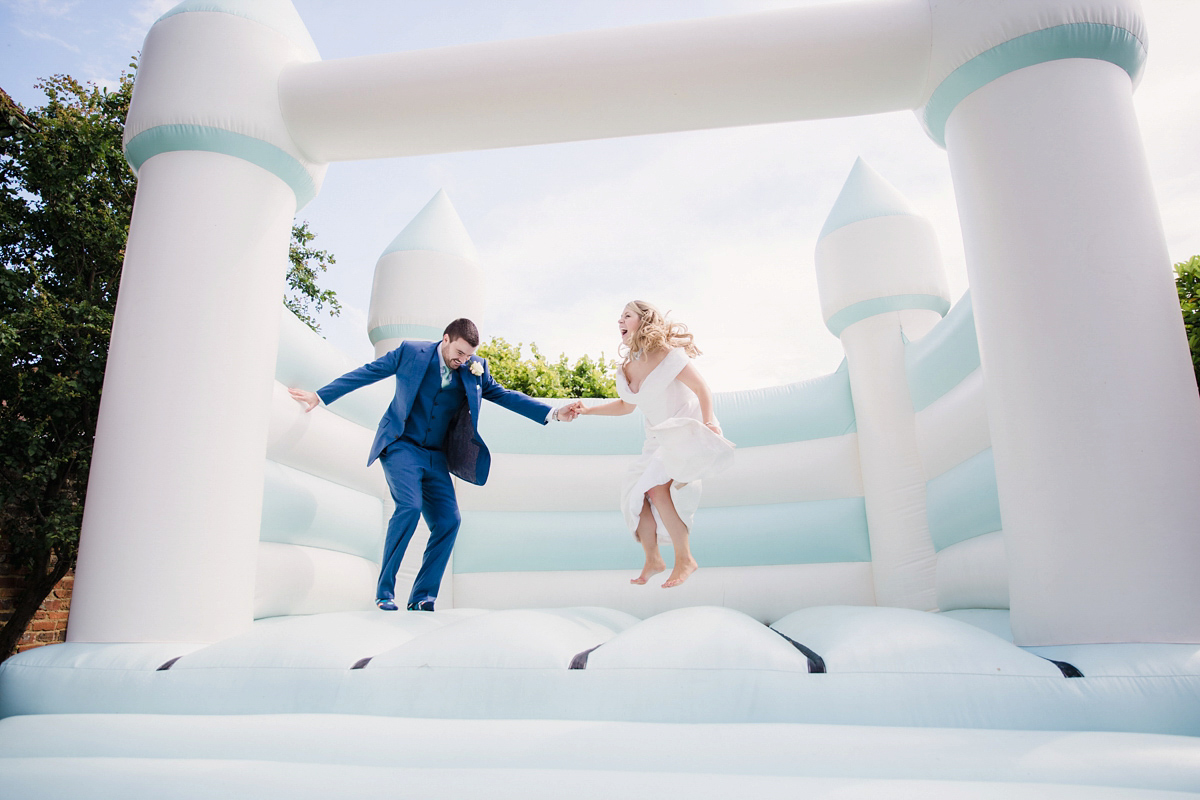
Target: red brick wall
<point>49,625</point>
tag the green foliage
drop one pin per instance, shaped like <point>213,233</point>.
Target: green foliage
<point>66,195</point>
<point>306,264</point>
<point>1187,282</point>
<point>538,377</point>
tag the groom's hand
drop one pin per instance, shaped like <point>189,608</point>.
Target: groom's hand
<point>567,413</point>
<point>305,398</point>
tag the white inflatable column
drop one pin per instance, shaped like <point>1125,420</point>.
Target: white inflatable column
<point>428,276</point>
<point>879,273</point>
<point>1095,419</point>
<point>172,517</point>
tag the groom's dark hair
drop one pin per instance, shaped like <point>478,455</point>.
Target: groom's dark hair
<point>463,328</point>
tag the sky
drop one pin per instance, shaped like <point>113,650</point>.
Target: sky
<point>717,227</point>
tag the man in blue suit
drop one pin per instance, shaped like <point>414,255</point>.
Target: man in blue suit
<point>430,431</point>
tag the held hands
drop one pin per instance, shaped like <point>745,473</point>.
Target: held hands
<point>569,412</point>
<point>305,398</point>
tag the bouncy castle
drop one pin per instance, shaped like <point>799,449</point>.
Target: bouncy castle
<point>964,564</point>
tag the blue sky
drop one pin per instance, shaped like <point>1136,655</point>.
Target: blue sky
<point>717,226</point>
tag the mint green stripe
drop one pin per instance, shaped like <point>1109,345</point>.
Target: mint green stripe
<point>299,508</point>
<point>424,333</point>
<point>962,502</point>
<point>173,138</point>
<point>818,532</point>
<point>882,305</point>
<point>1075,40</point>
<point>814,409</point>
<point>942,358</point>
<point>796,412</point>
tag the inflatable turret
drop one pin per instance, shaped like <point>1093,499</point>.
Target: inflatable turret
<point>880,277</point>
<point>428,276</point>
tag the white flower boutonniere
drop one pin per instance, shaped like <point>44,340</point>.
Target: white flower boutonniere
<point>476,368</point>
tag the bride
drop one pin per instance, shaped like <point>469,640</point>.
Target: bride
<point>661,490</point>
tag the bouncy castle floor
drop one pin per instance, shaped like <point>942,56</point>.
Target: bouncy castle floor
<point>834,701</point>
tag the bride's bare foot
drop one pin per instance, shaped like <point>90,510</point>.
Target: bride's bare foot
<point>651,569</point>
<point>680,574</point>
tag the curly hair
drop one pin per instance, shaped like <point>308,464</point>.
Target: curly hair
<point>655,331</point>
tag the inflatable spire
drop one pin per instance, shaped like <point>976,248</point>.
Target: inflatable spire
<point>428,276</point>
<point>876,254</point>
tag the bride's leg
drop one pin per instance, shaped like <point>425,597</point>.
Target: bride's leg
<point>647,534</point>
<point>685,565</point>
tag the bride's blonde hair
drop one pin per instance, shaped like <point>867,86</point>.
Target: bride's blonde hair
<point>656,331</point>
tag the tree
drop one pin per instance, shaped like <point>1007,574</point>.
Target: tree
<point>65,200</point>
<point>538,377</point>
<point>1187,282</point>
<point>305,264</point>
<point>66,196</point>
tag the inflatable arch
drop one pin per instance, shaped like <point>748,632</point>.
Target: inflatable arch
<point>1019,463</point>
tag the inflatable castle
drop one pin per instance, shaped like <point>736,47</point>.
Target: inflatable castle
<point>964,564</point>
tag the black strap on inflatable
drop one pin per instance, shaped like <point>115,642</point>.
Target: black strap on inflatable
<point>1068,670</point>
<point>168,664</point>
<point>362,662</point>
<point>580,659</point>
<point>815,662</point>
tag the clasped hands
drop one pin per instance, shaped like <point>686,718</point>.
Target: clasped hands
<point>569,412</point>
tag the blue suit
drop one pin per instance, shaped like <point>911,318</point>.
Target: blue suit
<point>427,433</point>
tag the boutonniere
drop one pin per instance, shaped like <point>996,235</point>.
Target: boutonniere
<point>476,368</point>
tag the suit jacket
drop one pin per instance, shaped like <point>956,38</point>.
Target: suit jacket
<point>466,453</point>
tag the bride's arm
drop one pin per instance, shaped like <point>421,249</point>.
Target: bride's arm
<point>617,408</point>
<point>690,377</point>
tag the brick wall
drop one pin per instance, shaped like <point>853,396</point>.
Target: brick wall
<point>49,625</point>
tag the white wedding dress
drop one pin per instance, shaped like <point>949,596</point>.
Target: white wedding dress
<point>679,448</point>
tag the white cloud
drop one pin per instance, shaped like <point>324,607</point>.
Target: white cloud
<point>45,8</point>
<point>1168,109</point>
<point>46,37</point>
<point>719,226</point>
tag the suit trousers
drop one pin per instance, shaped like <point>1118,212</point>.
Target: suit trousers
<point>419,480</point>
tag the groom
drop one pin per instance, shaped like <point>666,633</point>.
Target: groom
<point>430,430</point>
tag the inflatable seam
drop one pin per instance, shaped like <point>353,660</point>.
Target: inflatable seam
<point>579,660</point>
<point>864,309</point>
<point>816,664</point>
<point>1068,669</point>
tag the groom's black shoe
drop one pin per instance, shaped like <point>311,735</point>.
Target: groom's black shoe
<point>424,605</point>
<point>386,604</point>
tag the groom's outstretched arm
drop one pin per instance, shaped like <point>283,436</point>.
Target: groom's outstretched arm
<point>377,370</point>
<point>518,402</point>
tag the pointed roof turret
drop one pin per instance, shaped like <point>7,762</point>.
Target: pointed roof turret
<point>865,195</point>
<point>436,227</point>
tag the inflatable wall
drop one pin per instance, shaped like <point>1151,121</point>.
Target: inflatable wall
<point>791,526</point>
<point>962,564</point>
